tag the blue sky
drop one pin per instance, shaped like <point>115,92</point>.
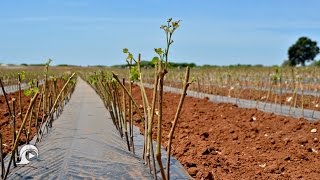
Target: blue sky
<point>90,32</point>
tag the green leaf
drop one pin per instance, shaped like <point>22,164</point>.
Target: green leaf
<point>134,74</point>
<point>22,75</point>
<point>193,79</point>
<point>155,60</point>
<point>130,56</point>
<point>113,80</point>
<point>73,81</point>
<point>158,51</point>
<point>27,92</point>
<point>30,83</point>
<point>53,78</point>
<point>175,24</point>
<point>125,50</point>
<point>93,81</point>
<point>35,89</point>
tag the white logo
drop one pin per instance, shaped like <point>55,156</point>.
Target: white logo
<point>28,153</point>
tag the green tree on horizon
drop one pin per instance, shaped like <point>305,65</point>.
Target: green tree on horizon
<point>302,51</point>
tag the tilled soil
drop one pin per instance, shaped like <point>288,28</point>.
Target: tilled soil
<point>6,122</point>
<point>223,141</point>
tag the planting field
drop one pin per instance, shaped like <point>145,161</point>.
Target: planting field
<point>294,87</point>
<point>218,122</point>
<point>237,99</point>
<point>224,141</point>
<point>96,137</point>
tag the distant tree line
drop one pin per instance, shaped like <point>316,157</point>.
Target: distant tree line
<point>234,65</point>
<point>59,65</point>
<point>40,64</point>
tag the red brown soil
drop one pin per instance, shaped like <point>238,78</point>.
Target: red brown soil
<point>223,141</point>
<point>6,122</point>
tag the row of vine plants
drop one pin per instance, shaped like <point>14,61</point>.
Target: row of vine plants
<point>116,93</point>
<point>297,88</point>
<point>29,113</point>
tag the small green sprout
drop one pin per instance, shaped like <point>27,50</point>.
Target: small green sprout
<point>33,89</point>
